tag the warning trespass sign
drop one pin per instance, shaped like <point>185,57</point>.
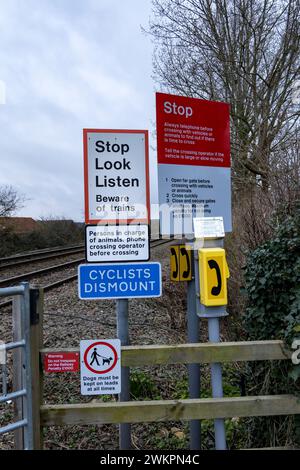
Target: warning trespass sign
<point>100,366</point>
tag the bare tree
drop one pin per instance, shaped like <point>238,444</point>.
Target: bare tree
<point>245,52</point>
<point>10,201</point>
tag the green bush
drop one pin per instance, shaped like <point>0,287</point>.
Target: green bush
<point>49,233</point>
<point>272,285</point>
<point>142,386</point>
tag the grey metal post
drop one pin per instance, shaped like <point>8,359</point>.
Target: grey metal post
<point>213,315</point>
<point>216,383</point>
<point>28,412</point>
<point>123,335</point>
<point>4,378</point>
<point>193,369</point>
<point>23,390</point>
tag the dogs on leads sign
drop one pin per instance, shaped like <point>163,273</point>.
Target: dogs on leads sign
<point>117,243</point>
<point>100,366</point>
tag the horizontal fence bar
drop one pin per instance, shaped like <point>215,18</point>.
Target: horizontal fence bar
<point>18,290</point>
<point>134,356</point>
<point>12,396</point>
<point>13,345</point>
<point>270,448</point>
<point>168,410</point>
<point>11,427</point>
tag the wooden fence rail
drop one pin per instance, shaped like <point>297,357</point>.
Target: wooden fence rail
<point>169,410</point>
<point>165,410</point>
<point>161,410</point>
<point>206,353</point>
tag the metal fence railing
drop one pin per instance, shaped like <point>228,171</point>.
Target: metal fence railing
<point>24,393</point>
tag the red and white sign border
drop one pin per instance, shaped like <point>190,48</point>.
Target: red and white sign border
<point>103,343</point>
<point>86,183</point>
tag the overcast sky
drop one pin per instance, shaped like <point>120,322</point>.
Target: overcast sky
<point>66,65</point>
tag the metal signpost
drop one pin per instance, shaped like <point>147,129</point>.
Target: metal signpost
<point>123,335</point>
<point>182,269</point>
<point>193,335</point>
<point>24,394</point>
<point>211,273</point>
<point>193,146</point>
<point>117,214</point>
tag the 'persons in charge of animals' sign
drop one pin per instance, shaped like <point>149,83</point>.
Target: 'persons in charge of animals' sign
<point>117,243</point>
<point>116,174</point>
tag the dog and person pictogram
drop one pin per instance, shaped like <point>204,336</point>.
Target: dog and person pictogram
<point>100,357</point>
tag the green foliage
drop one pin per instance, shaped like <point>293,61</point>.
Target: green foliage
<point>230,384</point>
<point>106,398</point>
<point>169,441</point>
<point>181,391</point>
<point>60,231</point>
<point>142,386</point>
<point>8,242</point>
<point>235,428</point>
<point>49,233</point>
<point>272,285</point>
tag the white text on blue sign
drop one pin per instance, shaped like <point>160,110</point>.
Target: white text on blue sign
<point>115,281</point>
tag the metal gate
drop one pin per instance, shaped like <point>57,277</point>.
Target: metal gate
<point>24,393</point>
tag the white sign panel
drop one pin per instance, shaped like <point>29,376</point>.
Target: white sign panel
<point>115,243</point>
<point>116,176</point>
<point>193,155</point>
<point>209,227</point>
<point>100,366</point>
<point>204,187</point>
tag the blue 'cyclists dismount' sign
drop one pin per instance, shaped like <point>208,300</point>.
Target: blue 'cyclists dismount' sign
<point>117,281</point>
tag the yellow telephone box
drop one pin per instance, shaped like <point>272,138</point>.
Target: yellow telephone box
<point>213,273</point>
<point>180,263</point>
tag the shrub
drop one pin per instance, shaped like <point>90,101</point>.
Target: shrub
<point>142,386</point>
<point>272,285</point>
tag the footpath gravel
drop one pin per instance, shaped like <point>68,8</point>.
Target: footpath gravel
<point>67,320</point>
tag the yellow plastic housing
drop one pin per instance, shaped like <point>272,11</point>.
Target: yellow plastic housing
<point>180,263</point>
<point>213,273</point>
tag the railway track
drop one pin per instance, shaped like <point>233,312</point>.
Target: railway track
<point>38,256</point>
<point>33,274</point>
<point>33,254</point>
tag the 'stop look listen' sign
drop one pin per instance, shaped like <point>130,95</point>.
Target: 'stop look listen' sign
<point>116,175</point>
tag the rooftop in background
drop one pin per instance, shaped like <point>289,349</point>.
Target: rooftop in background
<point>18,224</point>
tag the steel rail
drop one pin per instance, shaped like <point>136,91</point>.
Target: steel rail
<point>59,282</point>
<point>40,259</point>
<point>33,254</point>
<point>26,276</point>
